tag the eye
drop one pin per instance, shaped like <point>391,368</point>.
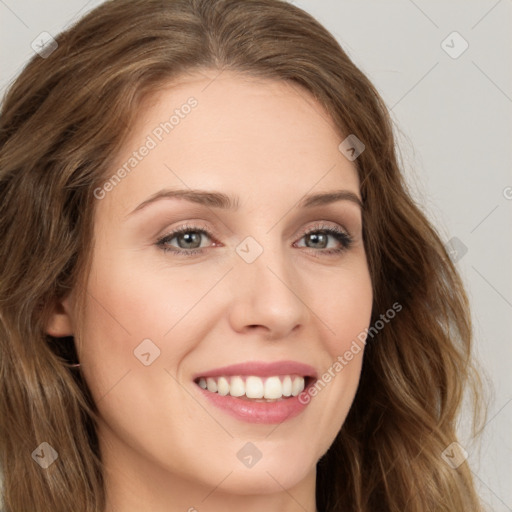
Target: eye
<point>188,237</point>
<point>319,234</point>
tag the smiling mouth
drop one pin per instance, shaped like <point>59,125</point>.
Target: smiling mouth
<point>256,389</point>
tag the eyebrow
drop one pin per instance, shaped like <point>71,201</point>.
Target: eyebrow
<point>214,199</point>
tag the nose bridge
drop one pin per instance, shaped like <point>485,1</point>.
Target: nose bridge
<point>267,288</point>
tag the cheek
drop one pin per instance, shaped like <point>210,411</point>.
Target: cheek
<point>142,300</point>
<point>345,318</point>
<point>345,306</point>
<point>136,316</point>
<point>129,303</point>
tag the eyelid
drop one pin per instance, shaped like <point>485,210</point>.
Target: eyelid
<point>184,228</point>
<point>323,225</point>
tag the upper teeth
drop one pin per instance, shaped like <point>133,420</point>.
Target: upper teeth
<point>254,387</point>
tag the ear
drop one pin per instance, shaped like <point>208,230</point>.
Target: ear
<point>60,323</point>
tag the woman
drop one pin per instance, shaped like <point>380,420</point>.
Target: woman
<point>217,292</point>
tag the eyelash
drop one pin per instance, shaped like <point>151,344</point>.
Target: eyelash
<point>341,236</point>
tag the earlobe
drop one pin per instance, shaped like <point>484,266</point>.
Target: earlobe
<point>60,323</point>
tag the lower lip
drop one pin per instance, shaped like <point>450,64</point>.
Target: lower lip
<point>257,412</point>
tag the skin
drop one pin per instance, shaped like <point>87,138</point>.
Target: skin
<point>165,447</point>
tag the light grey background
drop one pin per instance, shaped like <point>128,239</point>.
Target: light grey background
<point>454,129</point>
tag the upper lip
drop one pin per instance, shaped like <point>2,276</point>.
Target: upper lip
<point>261,369</point>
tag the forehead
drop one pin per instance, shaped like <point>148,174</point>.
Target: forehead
<point>232,131</point>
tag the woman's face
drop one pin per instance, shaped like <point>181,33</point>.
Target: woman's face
<point>265,283</point>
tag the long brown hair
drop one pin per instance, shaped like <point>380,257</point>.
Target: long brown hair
<point>62,123</point>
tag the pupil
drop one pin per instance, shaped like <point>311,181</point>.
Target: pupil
<point>190,239</point>
<point>316,237</point>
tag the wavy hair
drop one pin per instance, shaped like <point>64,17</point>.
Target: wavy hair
<point>64,120</point>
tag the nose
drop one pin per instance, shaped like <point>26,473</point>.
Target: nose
<point>268,296</point>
